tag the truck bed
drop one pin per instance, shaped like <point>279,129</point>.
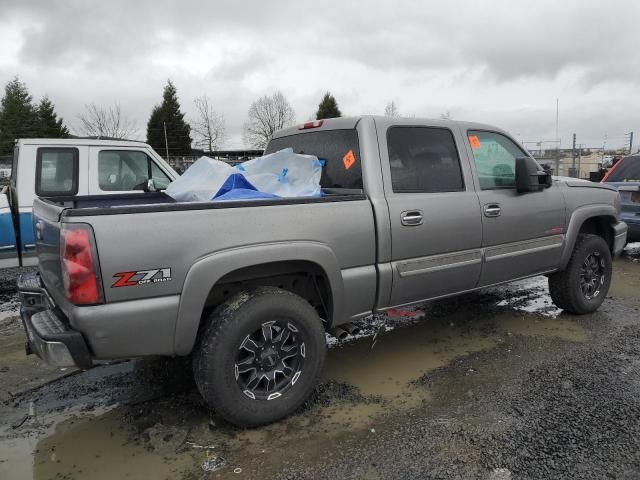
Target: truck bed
<point>160,202</point>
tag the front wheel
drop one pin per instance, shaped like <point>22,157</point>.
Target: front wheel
<point>583,285</point>
<point>260,357</point>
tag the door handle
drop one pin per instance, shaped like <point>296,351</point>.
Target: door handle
<point>492,210</point>
<point>411,218</point>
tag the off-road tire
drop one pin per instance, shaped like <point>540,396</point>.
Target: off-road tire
<point>564,286</point>
<point>226,329</point>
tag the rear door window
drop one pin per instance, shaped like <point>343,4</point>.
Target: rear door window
<point>56,171</point>
<point>424,160</point>
<point>627,170</point>
<point>338,149</point>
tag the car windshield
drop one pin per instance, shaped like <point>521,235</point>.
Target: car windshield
<point>627,170</point>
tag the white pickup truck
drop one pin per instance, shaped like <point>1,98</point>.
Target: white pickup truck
<point>64,167</point>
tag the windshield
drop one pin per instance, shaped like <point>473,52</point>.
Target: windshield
<point>338,148</point>
<point>627,170</point>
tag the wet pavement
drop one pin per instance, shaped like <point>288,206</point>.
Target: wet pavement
<point>493,385</point>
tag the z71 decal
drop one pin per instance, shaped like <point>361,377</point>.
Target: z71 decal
<point>142,277</point>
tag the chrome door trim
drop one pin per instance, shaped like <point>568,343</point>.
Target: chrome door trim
<point>507,250</point>
<point>434,263</point>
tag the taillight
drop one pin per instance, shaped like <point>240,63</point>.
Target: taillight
<point>80,273</point>
<point>314,124</point>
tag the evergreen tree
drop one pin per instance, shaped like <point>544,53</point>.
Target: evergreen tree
<point>48,124</point>
<point>168,115</point>
<point>18,117</point>
<point>328,107</point>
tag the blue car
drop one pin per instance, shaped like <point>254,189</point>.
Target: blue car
<point>625,176</point>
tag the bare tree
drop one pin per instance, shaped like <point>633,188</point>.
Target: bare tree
<point>109,122</point>
<point>267,115</point>
<point>391,110</point>
<point>209,126</point>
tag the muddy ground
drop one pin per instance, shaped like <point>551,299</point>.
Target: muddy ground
<point>494,385</point>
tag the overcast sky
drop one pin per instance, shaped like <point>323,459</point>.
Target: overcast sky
<point>500,62</point>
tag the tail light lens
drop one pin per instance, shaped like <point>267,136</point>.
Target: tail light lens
<point>80,272</point>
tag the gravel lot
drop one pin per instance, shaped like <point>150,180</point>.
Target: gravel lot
<point>494,385</point>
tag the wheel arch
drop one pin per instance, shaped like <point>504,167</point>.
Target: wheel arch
<point>217,276</point>
<point>593,219</point>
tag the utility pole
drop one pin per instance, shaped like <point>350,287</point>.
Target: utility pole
<point>573,157</point>
<point>166,142</point>
<point>630,135</point>
<point>557,138</point>
<point>579,159</point>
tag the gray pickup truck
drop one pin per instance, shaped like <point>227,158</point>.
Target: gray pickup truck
<point>412,210</point>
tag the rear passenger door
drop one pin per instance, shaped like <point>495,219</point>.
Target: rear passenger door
<point>523,233</point>
<point>122,170</point>
<point>436,228</point>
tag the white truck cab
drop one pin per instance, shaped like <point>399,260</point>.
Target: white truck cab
<point>66,167</point>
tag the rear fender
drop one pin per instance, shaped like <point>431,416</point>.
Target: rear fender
<point>207,271</point>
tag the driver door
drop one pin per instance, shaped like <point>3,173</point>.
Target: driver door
<point>522,233</point>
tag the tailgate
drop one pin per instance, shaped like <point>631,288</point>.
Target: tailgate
<point>46,223</point>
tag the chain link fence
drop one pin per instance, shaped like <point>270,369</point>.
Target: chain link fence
<point>232,157</point>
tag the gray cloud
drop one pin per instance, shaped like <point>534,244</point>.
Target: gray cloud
<point>494,61</point>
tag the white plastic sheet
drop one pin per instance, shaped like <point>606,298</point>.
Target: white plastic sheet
<point>201,181</point>
<point>283,173</point>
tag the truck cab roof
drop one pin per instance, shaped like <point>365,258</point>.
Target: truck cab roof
<point>90,142</point>
<point>381,120</point>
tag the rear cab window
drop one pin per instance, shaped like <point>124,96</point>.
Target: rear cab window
<point>338,150</point>
<point>423,160</point>
<point>56,171</point>
<point>127,170</point>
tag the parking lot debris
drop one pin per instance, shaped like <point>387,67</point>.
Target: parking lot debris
<point>203,447</point>
<point>213,464</point>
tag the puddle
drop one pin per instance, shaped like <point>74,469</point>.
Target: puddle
<point>626,279</point>
<point>401,356</point>
<point>564,329</point>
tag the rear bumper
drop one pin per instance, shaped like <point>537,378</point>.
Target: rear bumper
<point>633,224</point>
<point>48,335</point>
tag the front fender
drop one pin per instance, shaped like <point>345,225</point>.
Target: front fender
<point>578,217</point>
<point>207,271</point>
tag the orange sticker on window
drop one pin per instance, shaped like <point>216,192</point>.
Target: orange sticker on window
<point>473,140</point>
<point>348,160</point>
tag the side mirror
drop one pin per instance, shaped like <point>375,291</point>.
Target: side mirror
<point>529,177</point>
<point>151,186</point>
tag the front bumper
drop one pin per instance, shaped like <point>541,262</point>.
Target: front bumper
<point>48,335</point>
<point>620,237</point>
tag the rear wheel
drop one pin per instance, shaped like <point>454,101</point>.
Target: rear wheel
<point>583,285</point>
<point>260,356</point>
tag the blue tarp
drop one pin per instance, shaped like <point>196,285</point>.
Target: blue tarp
<point>236,187</point>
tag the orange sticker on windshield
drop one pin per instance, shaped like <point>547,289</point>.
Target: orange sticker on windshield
<point>348,160</point>
<point>473,140</point>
